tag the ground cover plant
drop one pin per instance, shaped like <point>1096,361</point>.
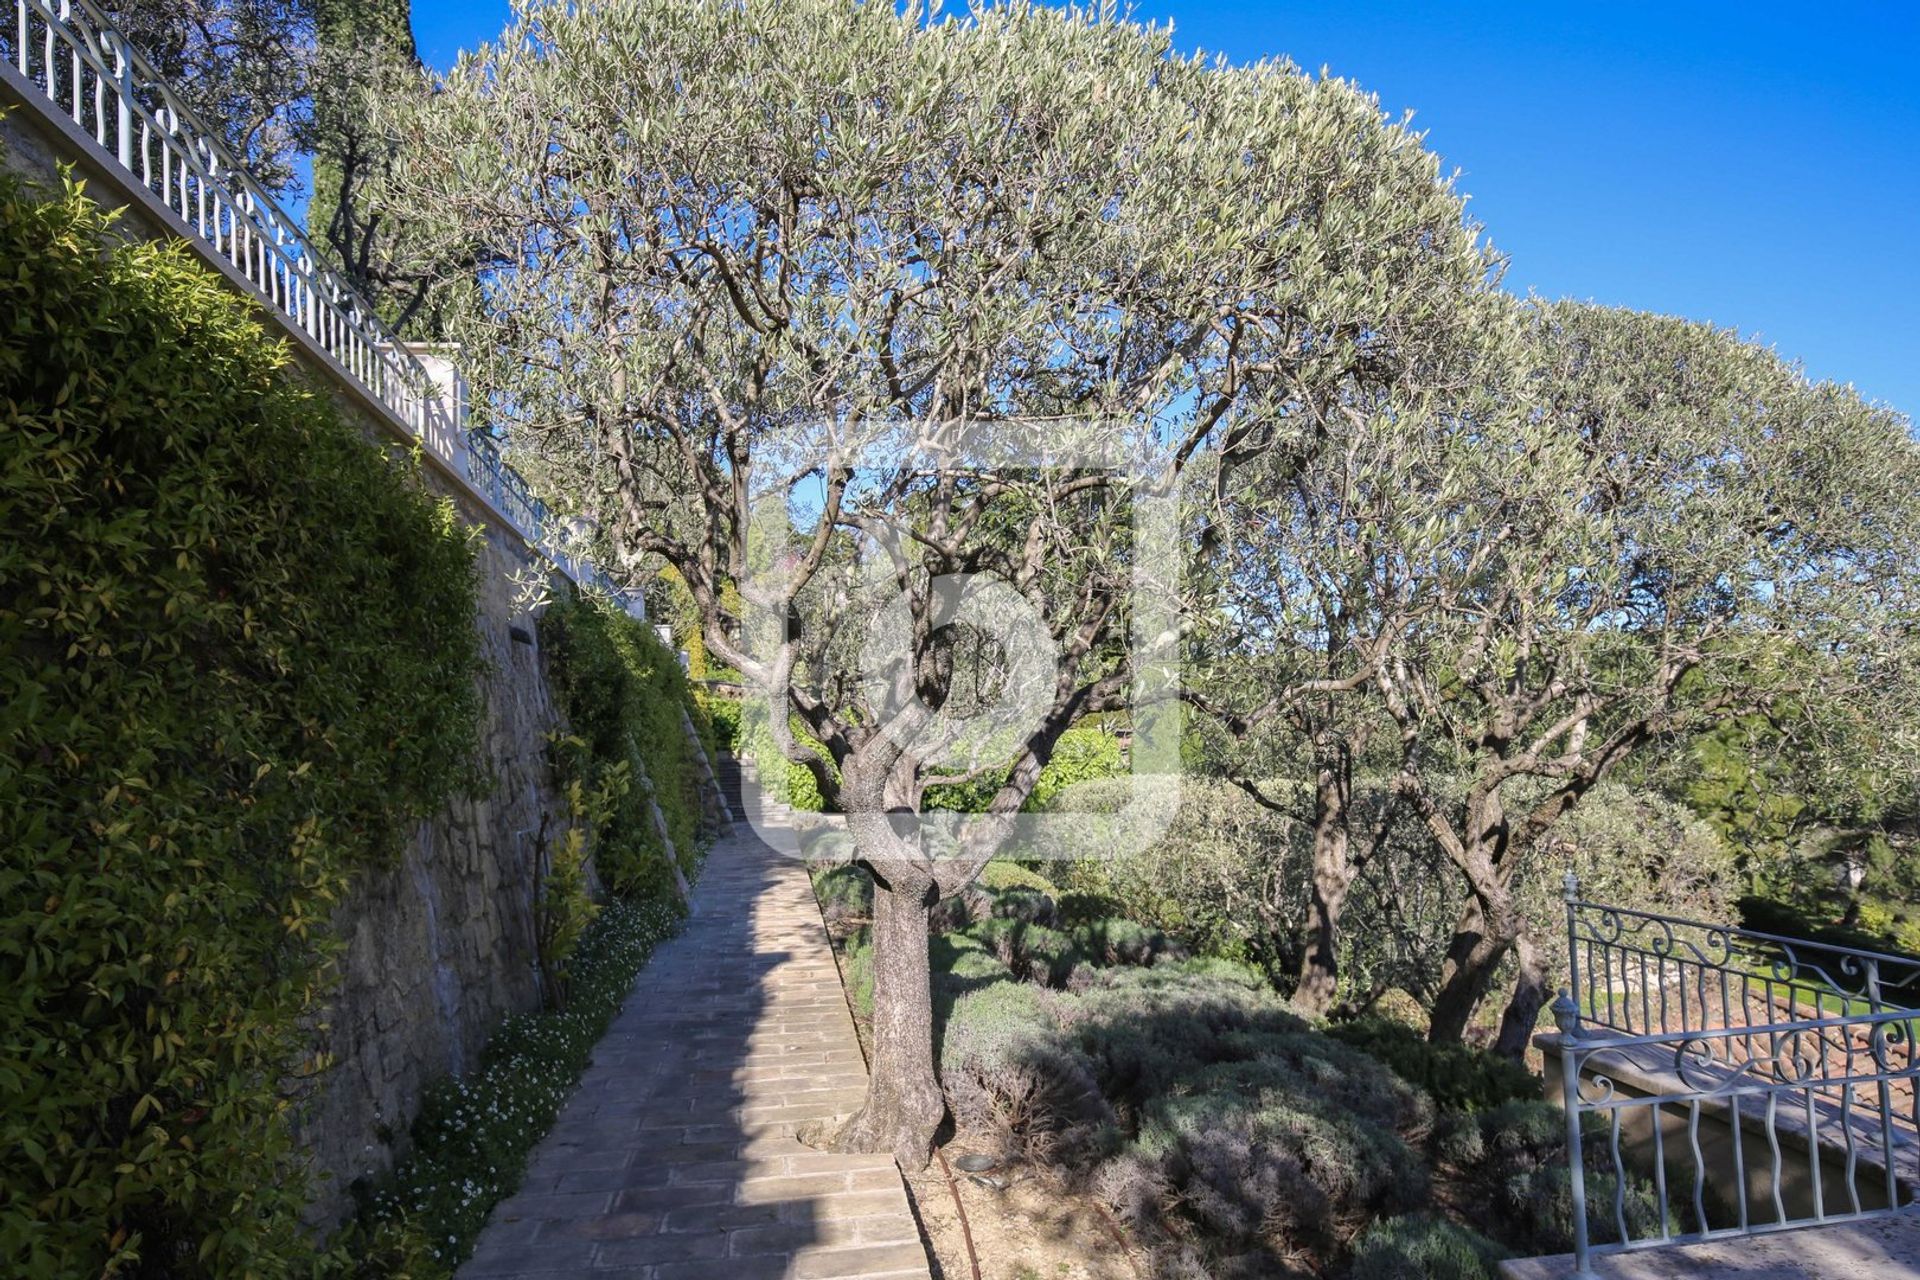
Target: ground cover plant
<point>1226,1133</point>
<point>472,1137</point>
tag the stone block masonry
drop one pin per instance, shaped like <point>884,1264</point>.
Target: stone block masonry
<point>440,947</point>
<point>676,1157</point>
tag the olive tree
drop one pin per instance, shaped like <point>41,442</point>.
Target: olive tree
<point>697,227</point>
<point>1663,529</point>
<point>1465,610</point>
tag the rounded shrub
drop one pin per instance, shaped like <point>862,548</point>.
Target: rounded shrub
<point>1419,1246</point>
<point>1458,1077</point>
<point>999,875</point>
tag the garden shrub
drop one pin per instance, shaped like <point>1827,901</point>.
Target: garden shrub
<point>1518,1177</point>
<point>474,1132</point>
<point>1419,1246</point>
<point>1007,1070</point>
<point>723,715</point>
<point>1084,753</point>
<point>1044,955</point>
<point>1032,906</point>
<point>845,893</point>
<point>1032,951</point>
<point>786,781</point>
<point>1457,1077</point>
<point>623,694</point>
<point>239,662</point>
<point>1264,1155</point>
<point>962,910</point>
<point>1079,906</point>
<point>1116,940</point>
<point>1146,1030</point>
<point>999,875</point>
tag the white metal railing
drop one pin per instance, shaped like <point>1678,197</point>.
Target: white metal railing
<point>1797,1050</point>
<point>87,71</point>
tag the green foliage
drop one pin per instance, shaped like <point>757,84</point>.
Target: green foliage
<point>1226,875</point>
<point>239,658</point>
<point>623,694</point>
<point>1000,874</point>
<point>474,1132</point>
<point>787,781</point>
<point>563,904</point>
<point>1226,1133</point>
<point>1085,753</point>
<point>1518,1183</point>
<point>1281,1152</point>
<point>1030,905</point>
<point>846,897</point>
<point>857,957</point>
<point>1457,1077</point>
<point>724,715</point>
<point>1116,940</point>
<point>1766,915</point>
<point>1419,1246</point>
<point>1196,1104</point>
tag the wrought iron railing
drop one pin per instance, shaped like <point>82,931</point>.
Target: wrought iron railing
<point>1805,1075</point>
<point>85,69</point>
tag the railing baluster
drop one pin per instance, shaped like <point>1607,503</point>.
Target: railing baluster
<point>1659,1115</point>
<point>1619,1177</point>
<point>1739,1158</point>
<point>1813,1158</point>
<point>1773,1143</point>
<point>1853,1148</point>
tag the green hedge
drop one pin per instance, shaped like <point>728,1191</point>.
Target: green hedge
<point>787,781</point>
<point>623,693</point>
<point>237,658</point>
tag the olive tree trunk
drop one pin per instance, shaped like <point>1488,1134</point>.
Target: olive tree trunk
<point>1333,873</point>
<point>904,1105</point>
<point>1529,997</point>
<point>1473,958</point>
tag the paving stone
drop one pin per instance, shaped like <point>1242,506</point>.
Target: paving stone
<point>675,1158</point>
<point>677,1247</point>
<point>860,1261</point>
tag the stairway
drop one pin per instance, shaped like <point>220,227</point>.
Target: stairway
<point>732,784</point>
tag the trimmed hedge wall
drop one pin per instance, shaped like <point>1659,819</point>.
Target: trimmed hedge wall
<point>237,658</point>
<point>622,692</point>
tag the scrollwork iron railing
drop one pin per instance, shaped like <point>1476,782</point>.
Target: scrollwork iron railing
<point>83,68</point>
<point>1766,1081</point>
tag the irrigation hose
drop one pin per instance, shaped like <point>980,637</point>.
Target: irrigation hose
<point>966,1228</point>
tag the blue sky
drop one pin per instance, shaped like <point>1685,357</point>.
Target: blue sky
<point>1755,165</point>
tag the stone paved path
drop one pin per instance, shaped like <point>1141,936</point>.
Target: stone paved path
<point>676,1159</point>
